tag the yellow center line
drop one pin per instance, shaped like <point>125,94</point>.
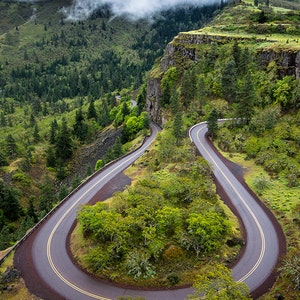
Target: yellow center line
<point>262,235</point>
<point>49,256</point>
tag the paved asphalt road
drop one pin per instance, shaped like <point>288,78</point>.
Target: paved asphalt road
<point>264,237</point>
<point>53,265</point>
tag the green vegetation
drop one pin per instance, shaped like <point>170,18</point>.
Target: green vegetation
<point>64,87</point>
<point>217,283</point>
<point>238,72</point>
<point>164,228</point>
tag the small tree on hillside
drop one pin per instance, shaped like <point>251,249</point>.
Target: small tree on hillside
<point>212,124</point>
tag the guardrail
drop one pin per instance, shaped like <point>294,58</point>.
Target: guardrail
<point>51,212</point>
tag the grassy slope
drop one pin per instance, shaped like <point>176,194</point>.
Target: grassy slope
<point>241,22</point>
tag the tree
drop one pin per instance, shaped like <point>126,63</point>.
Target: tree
<point>9,202</point>
<point>104,118</point>
<point>206,231</point>
<point>246,99</point>
<point>262,18</point>
<point>64,145</point>
<point>236,54</point>
<point>283,92</point>
<point>5,238</point>
<point>79,127</point>
<point>11,146</point>
<point>92,110</point>
<point>212,123</point>
<point>188,87</point>
<point>31,210</point>
<point>50,157</point>
<point>3,160</point>
<point>99,164</point>
<point>53,131</point>
<point>36,134</point>
<point>229,81</point>
<point>217,283</point>
<point>178,127</point>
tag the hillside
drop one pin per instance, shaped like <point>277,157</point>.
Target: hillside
<point>65,109</point>
<point>65,98</point>
<point>245,65</point>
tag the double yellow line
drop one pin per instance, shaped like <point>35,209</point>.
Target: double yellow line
<point>261,232</point>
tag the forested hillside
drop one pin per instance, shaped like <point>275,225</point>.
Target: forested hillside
<point>65,110</point>
<point>65,98</point>
<point>244,66</point>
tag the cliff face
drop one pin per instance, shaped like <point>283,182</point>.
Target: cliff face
<point>154,94</point>
<point>184,48</point>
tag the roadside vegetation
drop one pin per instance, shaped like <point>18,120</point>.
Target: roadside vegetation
<point>59,93</point>
<point>164,228</point>
<point>229,77</point>
<point>65,99</point>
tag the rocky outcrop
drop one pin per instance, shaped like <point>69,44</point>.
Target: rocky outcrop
<point>288,61</point>
<point>184,49</point>
<point>154,94</point>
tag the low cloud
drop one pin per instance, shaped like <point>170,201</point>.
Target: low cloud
<point>82,9</point>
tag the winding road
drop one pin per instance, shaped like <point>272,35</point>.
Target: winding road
<point>56,277</point>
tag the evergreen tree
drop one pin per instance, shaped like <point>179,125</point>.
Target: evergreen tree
<point>80,128</point>
<point>174,102</point>
<point>53,131</point>
<point>63,192</point>
<point>202,91</point>
<point>31,210</point>
<point>3,160</point>
<point>246,99</point>
<point>64,144</point>
<point>47,198</point>
<point>104,118</point>
<point>236,53</point>
<point>92,110</point>
<point>51,158</point>
<point>11,146</point>
<point>212,123</point>
<point>2,119</point>
<point>141,99</point>
<point>32,121</point>
<point>229,81</point>
<point>125,109</point>
<point>166,95</point>
<point>178,127</point>
<point>36,134</point>
<point>188,87</point>
<point>9,202</point>
<point>5,238</point>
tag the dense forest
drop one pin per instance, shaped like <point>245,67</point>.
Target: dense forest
<point>62,84</point>
<point>232,76</point>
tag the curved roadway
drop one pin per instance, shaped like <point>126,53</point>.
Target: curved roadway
<point>56,269</point>
<point>264,237</point>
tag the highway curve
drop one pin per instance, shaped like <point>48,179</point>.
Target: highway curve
<point>265,241</point>
<point>50,273</point>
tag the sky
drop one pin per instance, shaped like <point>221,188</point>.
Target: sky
<point>135,9</point>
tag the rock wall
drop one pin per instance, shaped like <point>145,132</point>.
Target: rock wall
<point>184,48</point>
<point>154,94</point>
<point>288,61</point>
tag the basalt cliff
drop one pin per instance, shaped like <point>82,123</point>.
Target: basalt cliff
<point>184,49</point>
